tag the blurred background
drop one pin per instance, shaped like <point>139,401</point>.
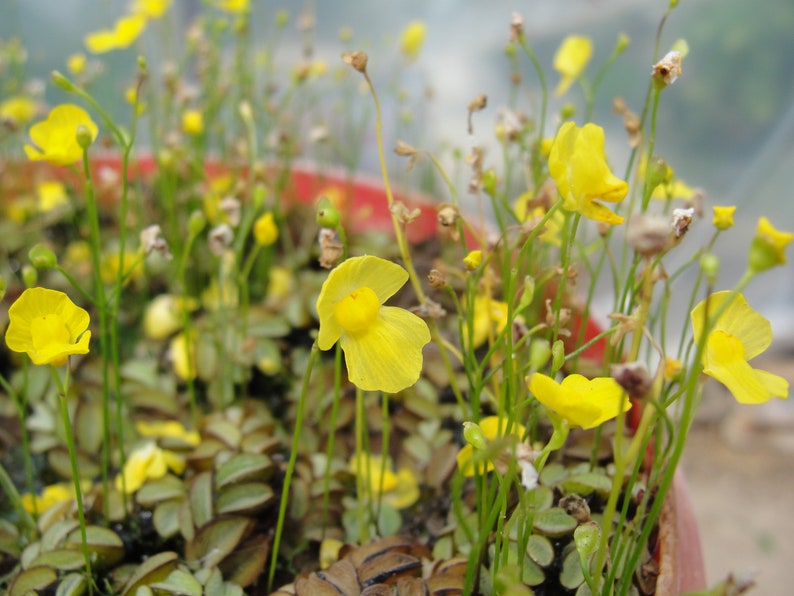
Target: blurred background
<point>727,128</point>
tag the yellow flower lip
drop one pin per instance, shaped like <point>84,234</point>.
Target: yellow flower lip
<point>571,59</point>
<point>126,30</point>
<point>581,401</point>
<point>47,326</point>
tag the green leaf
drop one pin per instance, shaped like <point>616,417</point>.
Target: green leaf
<point>180,582</point>
<point>244,467</point>
<point>216,540</point>
<point>554,522</point>
<point>154,569</point>
<point>244,498</point>
<point>33,581</point>
<point>167,488</point>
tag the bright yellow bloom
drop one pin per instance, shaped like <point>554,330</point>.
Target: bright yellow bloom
<point>151,9</point>
<point>399,490</point>
<point>768,247</point>
<point>52,494</point>
<point>473,260</point>
<point>192,122</point>
<point>581,401</point>
<point>739,335</point>
<point>490,317</point>
<point>579,167</point>
<point>184,367</point>
<point>723,217</point>
<point>18,110</point>
<point>126,31</point>
<point>50,194</point>
<point>148,462</point>
<point>265,230</point>
<point>233,6</point>
<point>571,59</point>
<point>55,139</point>
<point>167,429</point>
<point>382,344</point>
<point>75,63</point>
<point>493,428</point>
<point>412,38</point>
<point>48,326</point>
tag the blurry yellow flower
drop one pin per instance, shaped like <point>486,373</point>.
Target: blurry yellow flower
<point>167,429</point>
<point>50,194</point>
<point>48,326</point>
<point>382,344</point>
<point>280,283</point>
<point>75,63</point>
<point>265,230</point>
<point>131,263</point>
<point>672,368</point>
<point>399,490</point>
<point>151,9</point>
<point>52,494</point>
<point>147,462</point>
<point>739,335</point>
<point>233,6</point>
<point>581,401</point>
<point>184,367</point>
<point>131,96</point>
<point>329,551</point>
<point>473,260</point>
<point>571,59</point>
<point>412,38</point>
<point>490,318</point>
<point>192,122</point>
<point>126,30</point>
<point>55,139</point>
<point>17,110</point>
<point>579,168</point>
<point>768,247</point>
<point>493,428</point>
<point>162,317</point>
<point>553,226</point>
<point>723,217</point>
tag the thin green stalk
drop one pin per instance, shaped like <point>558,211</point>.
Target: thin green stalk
<point>329,447</point>
<point>67,426</point>
<point>537,164</point>
<point>293,456</point>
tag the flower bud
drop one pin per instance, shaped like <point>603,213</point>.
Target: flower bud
<point>539,353</point>
<point>29,275</point>
<point>623,42</point>
<point>327,215</point>
<point>710,265</point>
<point>42,257</point>
<point>489,182</point>
<point>656,172</point>
<point>282,18</point>
<point>196,223</point>
<point>265,229</point>
<point>62,82</point>
<point>567,111</point>
<point>473,260</point>
<point>84,136</point>
<point>474,435</point>
<point>557,355</point>
<point>723,217</point>
<point>767,248</point>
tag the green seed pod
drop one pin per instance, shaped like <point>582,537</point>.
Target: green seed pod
<point>42,257</point>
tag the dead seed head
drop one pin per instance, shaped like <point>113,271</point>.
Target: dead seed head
<point>448,215</point>
<point>403,214</point>
<point>634,378</point>
<point>681,220</point>
<point>357,59</point>
<point>436,279</point>
<point>649,235</point>
<point>668,69</point>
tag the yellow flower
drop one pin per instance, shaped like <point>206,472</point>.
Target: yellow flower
<point>192,122</point>
<point>723,217</point>
<point>490,317</point>
<point>131,264</point>
<point>50,194</point>
<point>382,344</point>
<point>178,349</point>
<point>162,317</point>
<point>151,9</point>
<point>579,167</point>
<point>473,260</point>
<point>553,226</point>
<point>17,110</point>
<point>581,401</point>
<point>412,38</point>
<point>493,428</point>
<point>52,494</point>
<point>399,490</point>
<point>768,247</point>
<point>280,283</point>
<point>55,139</point>
<point>126,30</point>
<point>48,326</point>
<point>571,59</point>
<point>148,462</point>
<point>265,230</point>
<point>739,335</point>
<point>75,63</point>
<point>167,429</point>
<point>233,6</point>
<point>672,368</point>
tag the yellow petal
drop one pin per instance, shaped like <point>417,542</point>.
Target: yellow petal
<point>738,320</point>
<point>583,402</point>
<point>571,59</point>
<point>388,357</point>
<point>727,363</point>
